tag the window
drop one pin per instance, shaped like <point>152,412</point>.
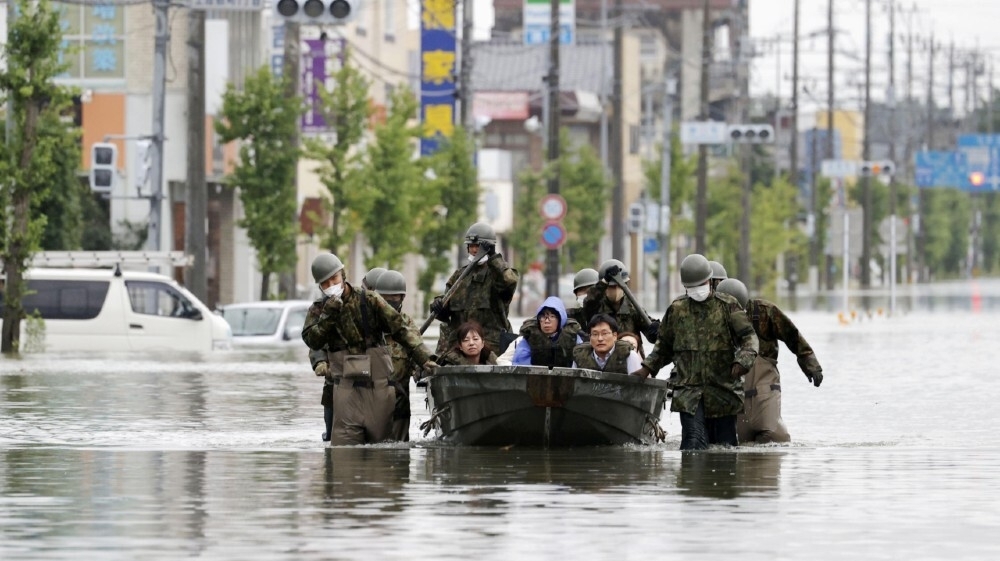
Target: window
<point>254,321</point>
<point>63,299</point>
<point>93,42</point>
<point>158,299</point>
<point>633,139</point>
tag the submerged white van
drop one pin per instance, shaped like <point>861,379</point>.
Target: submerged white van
<point>115,310</point>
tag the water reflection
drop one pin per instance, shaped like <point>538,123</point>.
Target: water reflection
<point>727,474</point>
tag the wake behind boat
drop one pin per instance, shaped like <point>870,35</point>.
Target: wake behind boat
<point>537,406</point>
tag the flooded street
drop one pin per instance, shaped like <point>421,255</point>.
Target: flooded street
<point>219,457</point>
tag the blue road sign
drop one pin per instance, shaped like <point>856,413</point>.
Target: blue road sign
<point>936,168</point>
<point>982,153</point>
<point>650,245</point>
<point>553,235</point>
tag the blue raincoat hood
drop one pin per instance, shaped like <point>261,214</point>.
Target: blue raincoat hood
<point>555,303</point>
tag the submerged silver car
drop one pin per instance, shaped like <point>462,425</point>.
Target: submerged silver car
<point>267,323</point>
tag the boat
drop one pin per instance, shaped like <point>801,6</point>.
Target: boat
<point>539,406</point>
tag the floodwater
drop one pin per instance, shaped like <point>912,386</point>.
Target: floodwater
<point>219,457</point>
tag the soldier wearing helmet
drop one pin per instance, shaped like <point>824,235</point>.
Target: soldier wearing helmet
<point>351,325</point>
<point>698,335</point>
<point>718,274</point>
<point>392,287</point>
<point>582,282</point>
<point>370,280</point>
<point>606,297</point>
<point>760,421</point>
<point>483,296</point>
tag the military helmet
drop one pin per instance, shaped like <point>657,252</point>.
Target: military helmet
<point>695,270</point>
<point>390,282</point>
<point>585,277</point>
<point>370,279</point>
<point>736,289</point>
<point>718,271</point>
<point>480,231</point>
<point>324,266</point>
<point>603,269</point>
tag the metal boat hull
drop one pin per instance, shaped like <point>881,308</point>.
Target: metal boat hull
<point>534,406</point>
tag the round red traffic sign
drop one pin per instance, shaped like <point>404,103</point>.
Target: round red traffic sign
<point>552,207</point>
<point>553,235</point>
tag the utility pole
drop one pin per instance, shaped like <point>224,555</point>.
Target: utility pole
<point>743,265</point>
<point>11,16</point>
<point>162,40</point>
<point>829,136</point>
<point>793,172</point>
<point>195,278</point>
<point>922,238</point>
<point>604,85</point>
<point>891,100</point>
<point>908,151</point>
<point>465,70</point>
<point>663,287</point>
<point>552,255</point>
<point>866,181</point>
<point>701,196</point>
<point>617,143</point>
<point>291,60</point>
<point>951,82</point>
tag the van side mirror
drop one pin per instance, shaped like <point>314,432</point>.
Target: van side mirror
<point>194,314</point>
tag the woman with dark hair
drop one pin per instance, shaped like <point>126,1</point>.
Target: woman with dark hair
<point>634,340</point>
<point>470,349</point>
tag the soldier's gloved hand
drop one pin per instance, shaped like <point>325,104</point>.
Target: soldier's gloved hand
<point>438,309</point>
<point>429,367</point>
<point>642,372</point>
<point>612,273</point>
<point>487,248</point>
<point>653,331</point>
<point>332,304</point>
<point>738,371</point>
<point>816,378</point>
<point>322,369</point>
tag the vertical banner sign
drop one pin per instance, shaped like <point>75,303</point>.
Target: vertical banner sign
<point>313,69</point>
<point>438,72</point>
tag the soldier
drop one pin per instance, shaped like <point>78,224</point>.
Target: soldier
<point>321,367</point>
<point>392,287</point>
<point>370,279</point>
<point>582,281</point>
<point>605,352</point>
<point>351,325</point>
<point>483,296</point>
<point>760,420</point>
<point>548,338</point>
<point>698,332</point>
<point>718,274</point>
<point>606,297</point>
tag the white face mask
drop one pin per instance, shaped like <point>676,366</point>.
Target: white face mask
<point>699,293</point>
<point>335,290</point>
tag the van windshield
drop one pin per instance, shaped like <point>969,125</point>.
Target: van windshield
<point>252,321</point>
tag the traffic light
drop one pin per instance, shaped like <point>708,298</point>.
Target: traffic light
<point>103,166</point>
<point>636,218</point>
<point>317,12</point>
<point>875,168</point>
<point>143,162</point>
<point>751,133</point>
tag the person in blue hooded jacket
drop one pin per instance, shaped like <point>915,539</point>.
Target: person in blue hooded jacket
<point>548,338</point>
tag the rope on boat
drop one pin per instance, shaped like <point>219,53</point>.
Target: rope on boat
<point>432,423</point>
<point>654,429</point>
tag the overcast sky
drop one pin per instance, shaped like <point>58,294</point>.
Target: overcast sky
<point>971,24</point>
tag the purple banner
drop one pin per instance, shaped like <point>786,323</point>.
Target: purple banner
<point>313,78</point>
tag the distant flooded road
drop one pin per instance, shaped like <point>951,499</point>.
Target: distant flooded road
<point>219,457</point>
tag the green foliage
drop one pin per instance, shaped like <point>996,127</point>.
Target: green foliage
<point>682,185</point>
<point>946,229</point>
<point>454,194</point>
<point>64,202</point>
<point>585,187</point>
<point>393,178</point>
<point>528,222</point>
<point>265,120</point>
<point>991,232</point>
<point>347,110</point>
<point>32,162</point>
<point>725,210</point>
<point>774,209</point>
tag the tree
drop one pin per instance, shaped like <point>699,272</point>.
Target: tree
<point>682,186</point>
<point>29,162</point>
<point>455,188</point>
<point>527,224</point>
<point>265,120</point>
<point>67,196</point>
<point>347,110</point>
<point>585,187</point>
<point>774,208</point>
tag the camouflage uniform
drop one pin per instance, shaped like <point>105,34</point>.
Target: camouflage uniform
<point>583,357</point>
<point>484,297</point>
<point>581,318</point>
<point>698,337</point>
<point>760,420</point>
<point>403,367</point>
<point>361,413</point>
<point>629,319</point>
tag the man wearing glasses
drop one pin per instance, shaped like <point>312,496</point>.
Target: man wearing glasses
<point>605,352</point>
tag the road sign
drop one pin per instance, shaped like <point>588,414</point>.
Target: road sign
<point>553,235</point>
<point>538,22</point>
<point>982,152</point>
<point>835,242</point>
<point>650,245</point>
<point>937,168</point>
<point>901,232</point>
<point>704,132</point>
<point>839,168</point>
<point>553,207</point>
<point>226,5</point>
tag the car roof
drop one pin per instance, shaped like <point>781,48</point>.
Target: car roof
<point>92,274</point>
<point>269,304</point>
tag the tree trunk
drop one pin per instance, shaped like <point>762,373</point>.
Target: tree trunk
<point>265,280</point>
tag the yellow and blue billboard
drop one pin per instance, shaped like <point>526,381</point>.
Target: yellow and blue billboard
<point>438,72</point>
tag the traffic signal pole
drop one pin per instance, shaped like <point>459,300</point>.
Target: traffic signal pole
<point>552,255</point>
<point>196,200</point>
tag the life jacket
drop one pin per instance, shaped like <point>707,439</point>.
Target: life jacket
<point>545,351</point>
<point>583,355</point>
